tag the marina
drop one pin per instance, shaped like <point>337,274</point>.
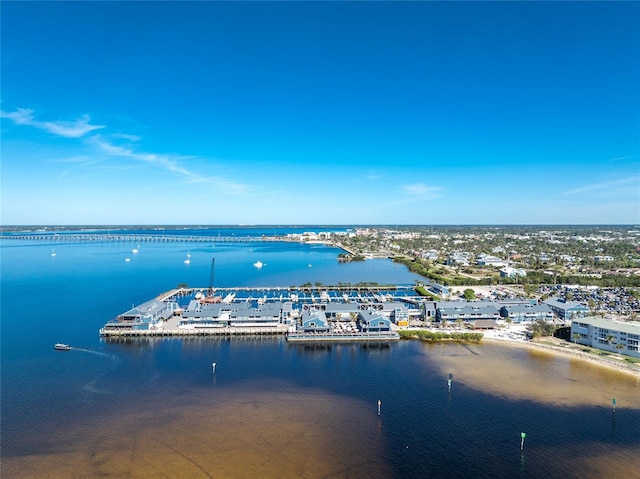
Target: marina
<point>301,314</point>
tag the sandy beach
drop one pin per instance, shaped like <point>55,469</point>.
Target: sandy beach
<point>561,347</point>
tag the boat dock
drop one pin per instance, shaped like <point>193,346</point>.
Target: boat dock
<point>335,337</point>
<point>343,314</point>
<point>230,331</point>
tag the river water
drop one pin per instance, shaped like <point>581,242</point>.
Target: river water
<point>154,408</point>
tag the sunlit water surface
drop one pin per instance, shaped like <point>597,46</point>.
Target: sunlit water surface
<point>154,408</point>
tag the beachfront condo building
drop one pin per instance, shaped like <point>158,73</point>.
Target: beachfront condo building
<point>607,334</point>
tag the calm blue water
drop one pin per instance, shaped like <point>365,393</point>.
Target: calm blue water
<point>152,408</point>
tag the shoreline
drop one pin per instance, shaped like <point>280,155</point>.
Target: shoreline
<point>569,352</point>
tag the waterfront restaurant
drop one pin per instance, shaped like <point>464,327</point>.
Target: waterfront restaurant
<point>370,321</point>
<point>142,316</point>
<point>314,322</point>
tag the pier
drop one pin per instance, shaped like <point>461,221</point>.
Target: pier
<point>279,330</point>
<point>169,238</point>
<point>143,238</point>
<point>336,337</point>
<point>229,331</point>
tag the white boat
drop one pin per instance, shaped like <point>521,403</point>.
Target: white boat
<point>62,347</point>
<point>258,264</point>
<point>127,259</point>
<point>187,261</point>
<point>53,252</point>
<point>134,250</point>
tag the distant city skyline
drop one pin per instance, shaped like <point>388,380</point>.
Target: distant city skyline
<point>337,113</point>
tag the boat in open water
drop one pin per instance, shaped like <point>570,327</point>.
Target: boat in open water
<point>62,347</point>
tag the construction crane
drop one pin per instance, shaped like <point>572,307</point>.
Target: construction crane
<point>213,264</point>
<point>210,298</point>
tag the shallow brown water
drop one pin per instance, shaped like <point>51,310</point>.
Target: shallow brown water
<point>319,420</point>
<point>239,434</point>
<point>529,374</point>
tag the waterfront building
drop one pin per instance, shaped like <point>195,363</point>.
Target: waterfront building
<point>566,310</point>
<point>212,315</point>
<point>466,310</point>
<point>429,310</point>
<point>371,321</point>
<point>607,334</point>
<point>525,311</point>
<point>485,324</point>
<point>400,314</point>
<point>314,321</point>
<point>439,289</point>
<point>144,316</point>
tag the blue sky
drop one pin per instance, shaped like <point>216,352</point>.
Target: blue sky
<point>313,112</point>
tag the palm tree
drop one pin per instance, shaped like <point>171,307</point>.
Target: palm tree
<point>508,320</point>
<point>620,346</point>
<point>576,336</point>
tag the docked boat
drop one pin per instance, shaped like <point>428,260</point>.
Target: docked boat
<point>62,347</point>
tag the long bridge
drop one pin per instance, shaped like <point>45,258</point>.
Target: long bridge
<point>139,238</point>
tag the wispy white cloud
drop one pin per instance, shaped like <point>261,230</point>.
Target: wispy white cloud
<point>21,116</point>
<point>607,186</point>
<point>167,162</point>
<point>68,129</point>
<point>162,161</point>
<point>82,167</point>
<point>124,136</point>
<point>420,191</point>
<point>119,145</point>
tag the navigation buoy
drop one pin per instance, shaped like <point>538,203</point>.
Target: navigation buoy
<point>379,404</point>
<point>522,436</point>
<point>213,367</point>
<point>614,404</point>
